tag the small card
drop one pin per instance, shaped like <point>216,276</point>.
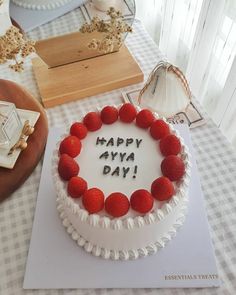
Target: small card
<point>55,261</point>
<point>191,116</point>
<point>11,125</point>
<point>8,161</point>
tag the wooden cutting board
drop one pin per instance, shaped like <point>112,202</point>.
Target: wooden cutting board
<point>85,78</point>
<point>11,179</point>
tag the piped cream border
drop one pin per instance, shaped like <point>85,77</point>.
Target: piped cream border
<point>122,254</point>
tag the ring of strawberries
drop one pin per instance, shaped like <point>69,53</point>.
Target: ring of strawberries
<point>117,204</point>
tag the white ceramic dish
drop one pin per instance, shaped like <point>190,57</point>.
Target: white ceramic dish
<point>8,161</point>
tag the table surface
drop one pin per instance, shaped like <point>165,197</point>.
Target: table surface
<point>216,162</point>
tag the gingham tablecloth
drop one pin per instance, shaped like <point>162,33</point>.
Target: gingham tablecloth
<point>215,158</point>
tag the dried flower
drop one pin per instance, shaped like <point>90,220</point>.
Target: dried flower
<point>113,30</point>
<point>12,44</point>
<point>17,67</point>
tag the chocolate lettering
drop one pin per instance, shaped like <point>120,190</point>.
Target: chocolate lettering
<point>125,171</point>
<point>116,171</point>
<point>104,155</point>
<point>113,155</point>
<point>129,141</point>
<point>110,142</point>
<point>119,141</point>
<point>100,141</point>
<point>106,169</point>
<point>122,155</point>
<point>130,157</point>
<point>138,142</point>
<point>135,171</point>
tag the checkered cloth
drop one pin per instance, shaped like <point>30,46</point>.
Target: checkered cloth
<point>215,158</point>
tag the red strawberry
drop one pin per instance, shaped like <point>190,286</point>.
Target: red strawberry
<point>79,130</point>
<point>173,167</point>
<point>93,200</point>
<point>71,146</point>
<point>76,187</point>
<point>162,188</point>
<point>109,115</point>
<point>141,201</point>
<point>144,119</point>
<point>170,145</point>
<point>92,121</point>
<point>127,113</point>
<point>67,167</point>
<point>159,129</point>
<point>117,204</point>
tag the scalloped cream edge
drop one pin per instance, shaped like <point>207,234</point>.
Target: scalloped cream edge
<point>126,254</point>
<point>95,222</point>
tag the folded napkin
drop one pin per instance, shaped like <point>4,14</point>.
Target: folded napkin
<point>191,115</point>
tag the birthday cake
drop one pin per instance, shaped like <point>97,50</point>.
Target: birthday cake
<point>41,4</point>
<point>121,177</point>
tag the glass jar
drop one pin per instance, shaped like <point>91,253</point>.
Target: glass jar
<point>10,125</point>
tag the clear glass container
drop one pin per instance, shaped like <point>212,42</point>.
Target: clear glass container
<point>10,124</point>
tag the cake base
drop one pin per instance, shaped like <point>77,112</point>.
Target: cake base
<point>86,78</point>
<point>56,262</point>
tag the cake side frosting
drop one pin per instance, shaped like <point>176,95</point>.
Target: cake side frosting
<point>128,237</point>
<point>123,243</point>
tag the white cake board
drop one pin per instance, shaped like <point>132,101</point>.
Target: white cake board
<point>56,262</point>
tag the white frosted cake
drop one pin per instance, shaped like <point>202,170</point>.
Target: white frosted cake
<point>121,177</point>
<point>40,4</point>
